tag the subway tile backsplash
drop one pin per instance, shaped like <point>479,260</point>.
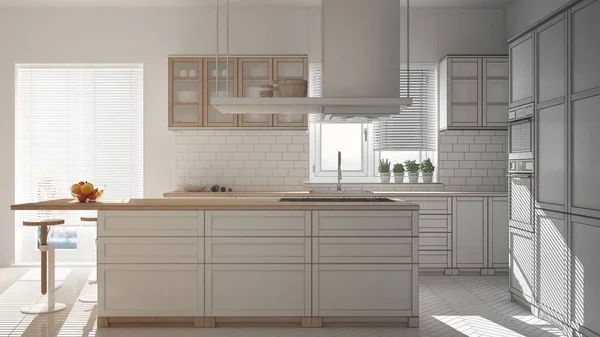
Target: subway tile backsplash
<point>246,160</point>
<point>473,160</point>
<point>277,160</point>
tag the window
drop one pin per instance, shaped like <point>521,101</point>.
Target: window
<point>411,135</point>
<point>75,122</point>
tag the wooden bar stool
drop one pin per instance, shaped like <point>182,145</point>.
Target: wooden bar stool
<point>47,270</point>
<point>90,297</point>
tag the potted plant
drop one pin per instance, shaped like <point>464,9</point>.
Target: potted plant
<point>398,173</point>
<point>413,171</point>
<point>384,170</point>
<point>427,169</point>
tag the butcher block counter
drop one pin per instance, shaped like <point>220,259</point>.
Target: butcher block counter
<point>210,262</point>
<point>171,204</point>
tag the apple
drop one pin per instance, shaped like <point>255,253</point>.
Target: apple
<point>94,195</point>
<point>81,183</point>
<point>81,197</point>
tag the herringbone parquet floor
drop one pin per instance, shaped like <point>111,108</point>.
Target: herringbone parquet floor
<point>450,306</point>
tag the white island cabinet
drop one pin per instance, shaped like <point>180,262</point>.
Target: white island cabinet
<point>299,263</point>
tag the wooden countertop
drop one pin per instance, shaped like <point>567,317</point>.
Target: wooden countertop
<point>190,204</point>
<point>391,194</point>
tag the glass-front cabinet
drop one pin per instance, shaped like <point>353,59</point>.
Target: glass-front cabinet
<point>219,82</point>
<point>254,72</point>
<point>185,92</point>
<point>193,81</point>
<point>290,68</point>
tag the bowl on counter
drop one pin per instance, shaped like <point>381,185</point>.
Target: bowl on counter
<point>191,186</point>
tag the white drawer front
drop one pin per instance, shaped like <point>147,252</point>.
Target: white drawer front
<point>434,223</point>
<point>258,250</point>
<point>430,205</point>
<point>434,241</point>
<point>364,290</point>
<point>150,290</point>
<point>433,259</point>
<point>150,250</point>
<point>363,250</point>
<point>365,223</point>
<point>150,223</point>
<point>258,223</point>
<point>258,290</point>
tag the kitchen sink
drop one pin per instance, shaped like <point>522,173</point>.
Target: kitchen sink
<point>341,192</point>
<point>334,199</point>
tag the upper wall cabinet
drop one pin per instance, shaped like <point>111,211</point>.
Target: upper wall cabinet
<point>473,92</point>
<point>193,81</point>
<point>521,71</point>
<point>551,54</point>
<point>585,32</point>
<point>185,92</point>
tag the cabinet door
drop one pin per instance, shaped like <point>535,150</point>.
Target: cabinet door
<point>521,71</point>
<point>465,92</point>
<point>365,223</point>
<point>258,290</point>
<point>498,232</point>
<point>150,223</point>
<point>495,92</point>
<point>551,60</point>
<point>469,221</point>
<point>585,277</point>
<point>553,261</point>
<point>585,157</point>
<point>521,246</point>
<point>551,157</point>
<point>150,290</point>
<point>219,81</point>
<point>150,250</point>
<point>365,290</point>
<point>364,250</point>
<point>185,92</point>
<point>585,31</point>
<point>258,223</point>
<point>290,68</point>
<point>253,72</point>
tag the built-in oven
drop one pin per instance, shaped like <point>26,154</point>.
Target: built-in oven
<point>521,169</point>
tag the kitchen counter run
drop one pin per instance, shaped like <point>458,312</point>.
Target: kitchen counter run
<point>391,194</point>
<point>211,203</point>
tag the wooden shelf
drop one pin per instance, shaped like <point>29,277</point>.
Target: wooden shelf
<point>191,79</point>
<point>221,78</point>
<point>186,104</point>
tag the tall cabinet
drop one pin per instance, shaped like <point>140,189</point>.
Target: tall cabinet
<point>473,91</point>
<point>556,66</point>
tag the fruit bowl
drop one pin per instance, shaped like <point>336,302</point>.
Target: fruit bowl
<point>85,191</point>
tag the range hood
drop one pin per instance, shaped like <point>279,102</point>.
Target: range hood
<point>361,62</point>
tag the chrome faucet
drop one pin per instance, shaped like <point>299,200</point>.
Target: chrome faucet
<point>339,184</point>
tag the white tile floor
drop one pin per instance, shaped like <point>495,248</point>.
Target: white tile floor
<point>450,306</point>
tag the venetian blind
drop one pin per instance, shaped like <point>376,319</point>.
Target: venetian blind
<point>415,128</point>
<point>315,86</point>
<point>78,122</point>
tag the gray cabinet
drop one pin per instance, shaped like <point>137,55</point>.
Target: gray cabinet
<point>585,274</point>
<point>585,194</point>
<point>551,55</point>
<point>473,92</point>
<point>521,245</point>
<point>553,264</point>
<point>585,32</point>
<point>469,223</point>
<point>521,71</point>
<point>551,152</point>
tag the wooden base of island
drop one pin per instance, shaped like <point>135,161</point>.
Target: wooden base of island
<point>215,322</point>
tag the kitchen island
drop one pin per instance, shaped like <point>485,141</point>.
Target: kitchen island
<point>209,262</point>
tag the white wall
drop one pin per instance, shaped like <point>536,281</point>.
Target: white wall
<point>127,36</point>
<point>121,35</point>
<point>521,14</point>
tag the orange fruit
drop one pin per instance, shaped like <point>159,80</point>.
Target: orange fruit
<point>75,188</point>
<point>87,188</point>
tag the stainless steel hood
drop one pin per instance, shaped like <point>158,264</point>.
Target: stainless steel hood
<point>361,60</point>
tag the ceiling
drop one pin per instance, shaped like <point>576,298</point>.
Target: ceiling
<point>185,3</point>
